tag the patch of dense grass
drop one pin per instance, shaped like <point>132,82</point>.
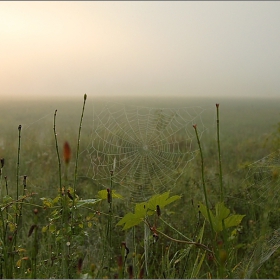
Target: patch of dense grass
<point>57,222</point>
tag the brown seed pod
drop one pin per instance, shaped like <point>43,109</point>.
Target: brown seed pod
<point>66,152</point>
<point>31,230</point>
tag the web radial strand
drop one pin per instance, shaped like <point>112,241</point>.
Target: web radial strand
<point>148,148</point>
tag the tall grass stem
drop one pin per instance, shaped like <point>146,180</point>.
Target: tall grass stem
<point>78,149</point>
<point>57,152</point>
<point>203,179</point>
<point>219,155</point>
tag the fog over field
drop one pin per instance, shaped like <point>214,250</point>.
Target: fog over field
<point>185,48</point>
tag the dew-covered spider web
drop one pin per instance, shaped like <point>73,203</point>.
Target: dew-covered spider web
<point>263,180</point>
<point>261,185</point>
<point>264,249</point>
<point>144,150</point>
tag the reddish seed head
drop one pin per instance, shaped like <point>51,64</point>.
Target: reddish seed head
<point>66,152</point>
<point>35,211</point>
<point>217,105</point>
<point>194,126</point>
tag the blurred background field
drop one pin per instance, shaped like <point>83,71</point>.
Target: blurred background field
<point>248,133</point>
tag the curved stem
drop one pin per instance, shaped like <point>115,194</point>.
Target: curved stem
<point>203,179</point>
<point>57,152</point>
<point>77,153</point>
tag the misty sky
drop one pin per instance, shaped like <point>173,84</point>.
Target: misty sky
<point>139,48</point>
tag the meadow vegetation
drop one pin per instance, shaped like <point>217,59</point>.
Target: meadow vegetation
<point>57,223</point>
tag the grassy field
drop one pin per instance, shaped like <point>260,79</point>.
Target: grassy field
<point>59,221</point>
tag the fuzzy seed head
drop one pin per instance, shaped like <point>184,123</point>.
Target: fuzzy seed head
<point>66,152</point>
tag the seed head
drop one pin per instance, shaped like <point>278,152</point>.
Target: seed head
<point>31,230</point>
<point>66,152</point>
<point>69,194</point>
<point>158,211</point>
<point>109,197</point>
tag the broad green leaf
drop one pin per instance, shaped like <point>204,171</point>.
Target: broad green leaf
<point>162,200</point>
<point>103,194</point>
<point>222,215</point>
<point>130,220</point>
<point>233,220</point>
<point>221,211</point>
<point>47,201</point>
<point>146,209</point>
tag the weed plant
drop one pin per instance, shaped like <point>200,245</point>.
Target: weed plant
<point>68,228</point>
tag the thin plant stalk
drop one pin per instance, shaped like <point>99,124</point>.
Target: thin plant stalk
<point>17,188</point>
<point>109,228</point>
<point>219,155</point>
<point>203,179</point>
<point>57,152</point>
<point>78,149</point>
<point>224,232</point>
<point>18,158</point>
<point>35,246</point>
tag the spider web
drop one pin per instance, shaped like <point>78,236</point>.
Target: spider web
<point>261,184</point>
<point>263,180</point>
<point>143,149</point>
<point>264,250</point>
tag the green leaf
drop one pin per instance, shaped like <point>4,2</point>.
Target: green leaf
<point>131,220</point>
<point>233,220</point>
<point>146,209</point>
<point>47,202</point>
<point>222,216</point>
<point>103,194</point>
<point>162,200</point>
